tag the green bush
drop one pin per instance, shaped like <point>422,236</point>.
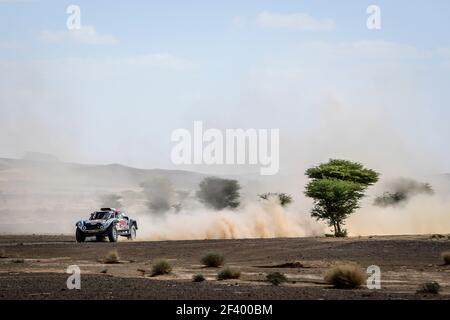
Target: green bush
<point>341,234</point>
<point>212,260</point>
<point>198,277</point>
<point>429,287</point>
<point>346,276</point>
<point>228,273</point>
<point>161,267</point>
<point>276,278</point>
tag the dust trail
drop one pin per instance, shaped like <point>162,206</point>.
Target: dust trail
<point>266,219</point>
<point>422,214</point>
<point>159,193</point>
<point>111,201</point>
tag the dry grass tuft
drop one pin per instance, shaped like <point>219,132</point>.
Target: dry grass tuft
<point>276,278</point>
<point>213,260</point>
<point>228,273</point>
<point>446,257</point>
<point>346,276</point>
<point>161,267</point>
<point>112,257</point>
<point>429,287</point>
<point>198,277</point>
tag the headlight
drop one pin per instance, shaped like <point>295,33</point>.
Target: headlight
<point>84,228</point>
<point>102,226</point>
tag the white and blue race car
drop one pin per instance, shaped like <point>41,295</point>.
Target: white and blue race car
<point>108,222</point>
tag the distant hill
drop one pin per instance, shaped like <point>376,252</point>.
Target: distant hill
<point>41,194</point>
<point>37,166</point>
<point>39,156</point>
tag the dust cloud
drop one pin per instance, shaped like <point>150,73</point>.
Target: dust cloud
<point>49,197</point>
<point>264,219</point>
<point>420,215</point>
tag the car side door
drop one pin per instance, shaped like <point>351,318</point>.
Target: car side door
<point>122,223</point>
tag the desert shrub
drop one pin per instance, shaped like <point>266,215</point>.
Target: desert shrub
<point>390,199</point>
<point>283,198</point>
<point>345,276</point>
<point>3,254</point>
<point>198,277</point>
<point>276,278</point>
<point>228,273</point>
<point>429,287</point>
<point>18,260</point>
<point>112,257</point>
<point>446,257</point>
<point>161,267</point>
<point>401,190</point>
<point>341,234</point>
<point>212,260</point>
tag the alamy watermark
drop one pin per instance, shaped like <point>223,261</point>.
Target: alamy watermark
<point>374,20</point>
<point>73,21</point>
<point>230,146</point>
<point>374,277</point>
<point>74,280</point>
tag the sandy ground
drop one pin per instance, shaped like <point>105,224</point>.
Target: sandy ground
<point>34,267</point>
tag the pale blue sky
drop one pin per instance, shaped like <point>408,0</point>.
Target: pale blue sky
<point>145,68</point>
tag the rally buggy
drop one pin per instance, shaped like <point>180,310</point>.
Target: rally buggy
<point>108,222</point>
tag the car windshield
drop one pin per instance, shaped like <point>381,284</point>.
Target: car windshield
<point>100,215</point>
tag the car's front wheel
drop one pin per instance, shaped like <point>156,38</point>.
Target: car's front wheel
<point>132,235</point>
<point>112,234</point>
<point>80,237</point>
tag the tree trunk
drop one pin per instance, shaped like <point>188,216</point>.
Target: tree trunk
<point>335,229</point>
<point>338,226</point>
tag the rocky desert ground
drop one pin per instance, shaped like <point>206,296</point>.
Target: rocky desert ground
<point>34,267</point>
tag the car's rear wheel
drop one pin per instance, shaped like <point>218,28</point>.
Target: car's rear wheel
<point>112,234</point>
<point>80,237</point>
<point>132,235</point>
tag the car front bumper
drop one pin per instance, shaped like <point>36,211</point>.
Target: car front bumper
<point>94,232</point>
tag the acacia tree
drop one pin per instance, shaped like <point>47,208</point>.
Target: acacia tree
<point>283,198</point>
<point>337,188</point>
<point>159,193</point>
<point>219,193</point>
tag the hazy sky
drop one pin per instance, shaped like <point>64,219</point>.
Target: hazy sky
<point>114,91</point>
